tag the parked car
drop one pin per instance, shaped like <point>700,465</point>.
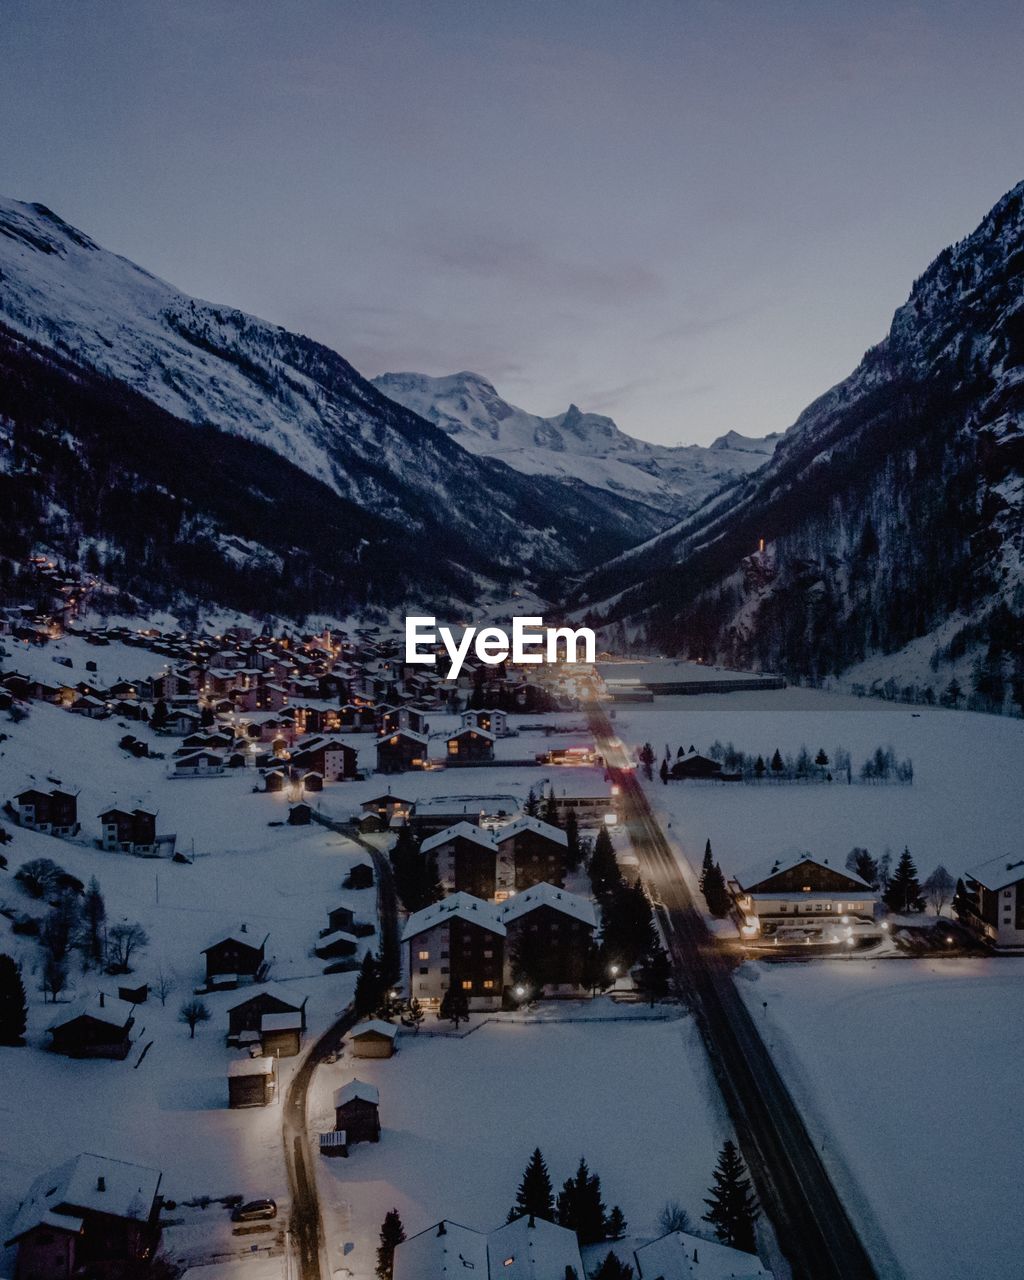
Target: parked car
<point>254,1211</point>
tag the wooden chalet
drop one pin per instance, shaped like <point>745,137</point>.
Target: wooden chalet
<point>128,831</point>
<point>93,1027</point>
<point>401,751</point>
<point>238,955</point>
<point>53,813</point>
<point>252,1082</point>
<point>357,1112</point>
<point>470,746</point>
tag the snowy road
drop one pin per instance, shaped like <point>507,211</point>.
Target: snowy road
<point>813,1228</point>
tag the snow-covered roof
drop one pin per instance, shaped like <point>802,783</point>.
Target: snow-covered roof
<point>680,1256</point>
<point>444,1250</point>
<point>548,895</point>
<point>473,731</point>
<point>533,1249</point>
<point>787,861</point>
<point>287,995</point>
<point>88,1182</point>
<point>251,1067</point>
<point>462,906</point>
<point>374,1026</point>
<point>282,1021</point>
<point>338,935</point>
<point>411,734</point>
<point>467,830</point>
<point>116,1013</point>
<point>555,834</point>
<point>998,873</point>
<point>356,1089</point>
<point>241,936</point>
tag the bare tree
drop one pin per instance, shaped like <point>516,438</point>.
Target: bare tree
<point>55,976</point>
<point>60,927</point>
<point>192,1013</point>
<point>938,889</point>
<point>123,940</point>
<point>163,984</point>
<point>673,1217</point>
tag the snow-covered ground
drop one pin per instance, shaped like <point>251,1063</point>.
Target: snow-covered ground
<point>963,806</point>
<point>461,1116</point>
<point>908,1074</point>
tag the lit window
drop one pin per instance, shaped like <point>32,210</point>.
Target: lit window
<point>488,984</point>
<point>424,955</point>
<point>467,984</point>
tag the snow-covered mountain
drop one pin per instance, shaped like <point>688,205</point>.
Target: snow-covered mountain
<point>576,446</point>
<point>460,518</point>
<point>892,511</point>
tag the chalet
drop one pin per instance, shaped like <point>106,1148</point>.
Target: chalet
<point>245,1018</point>
<point>549,931</point>
<point>495,722</point>
<point>300,815</point>
<point>459,941</point>
<point>340,918</point>
<point>357,1112</point>
<point>53,813</point>
<point>391,719</point>
<point>805,893</point>
<point>180,722</point>
<point>694,765</point>
<point>527,1248</point>
<point>470,746</point>
<point>128,832</point>
<point>357,719</point>
<point>333,759</point>
<point>387,806</point>
<point>239,955</point>
<point>359,877</point>
<point>681,1256</point>
<point>402,750</point>
<point>529,852</point>
<point>336,945</point>
<point>199,764</point>
<point>251,1082</point>
<point>274,780</point>
<point>93,1027</point>
<point>993,905</point>
<point>91,707</point>
<point>373,1039</point>
<point>89,1216</point>
<point>312,781</point>
<point>467,859</point>
<point>281,1033</point>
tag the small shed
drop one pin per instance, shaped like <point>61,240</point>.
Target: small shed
<point>300,815</point>
<point>281,1034</point>
<point>373,1039</point>
<point>274,780</point>
<point>356,1111</point>
<point>251,1082</point>
<point>360,877</point>
<point>313,781</point>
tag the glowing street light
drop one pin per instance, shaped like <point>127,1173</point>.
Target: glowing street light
<point>613,969</point>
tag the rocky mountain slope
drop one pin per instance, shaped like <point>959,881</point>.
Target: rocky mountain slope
<point>422,516</point>
<point>891,514</point>
<point>576,446</point>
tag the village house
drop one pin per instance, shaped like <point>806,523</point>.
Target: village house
<point>91,707</point>
<point>336,945</point>
<point>360,876</point>
<point>332,759</point>
<point>467,859</point>
<point>470,746</point>
<point>527,1248</point>
<point>245,1019</point>
<point>681,1256</point>
<point>549,931</point>
<point>373,1039</point>
<point>402,750</point>
<point>88,1217</point>
<point>994,903</point>
<point>805,894</point>
<point>694,765</point>
<point>494,722</point>
<point>594,805</point>
<point>357,1112</point>
<point>459,942</point>
<point>357,718</point>
<point>252,1082</point>
<point>390,719</point>
<point>199,764</point>
<point>128,832</point>
<point>237,955</point>
<point>93,1027</point>
<point>529,852</point>
<point>281,1033</point>
<point>53,813</point>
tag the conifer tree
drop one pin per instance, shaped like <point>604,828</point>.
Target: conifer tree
<point>604,869</point>
<point>615,1225</point>
<point>13,1009</point>
<point>707,864</point>
<point>580,1207</point>
<point>534,1195</point>
<point>903,893</point>
<point>551,809</point>
<point>94,915</point>
<point>654,974</point>
<point>392,1234</point>
<point>715,893</point>
<point>573,849</point>
<point>777,766</point>
<point>663,772</point>
<point>613,1268</point>
<point>532,806</point>
<point>413,1015</point>
<point>454,1006</point>
<point>369,985</point>
<point>732,1208</point>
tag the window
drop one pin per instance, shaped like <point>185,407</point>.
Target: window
<point>444,968</point>
<point>488,984</point>
<point>467,984</point>
<point>424,971</point>
<point>424,955</point>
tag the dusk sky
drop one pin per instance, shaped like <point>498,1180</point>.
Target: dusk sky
<point>690,216</point>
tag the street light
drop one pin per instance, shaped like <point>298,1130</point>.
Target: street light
<point>613,969</point>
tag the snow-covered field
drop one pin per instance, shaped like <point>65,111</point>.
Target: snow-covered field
<point>461,1116</point>
<point>963,806</point>
<point>909,1073</point>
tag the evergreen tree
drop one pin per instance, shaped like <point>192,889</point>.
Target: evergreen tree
<point>392,1234</point>
<point>613,1268</point>
<point>615,1226</point>
<point>369,985</point>
<point>532,806</point>
<point>454,1006</point>
<point>904,892</point>
<point>861,863</point>
<point>604,869</point>
<point>580,1207</point>
<point>777,766</point>
<point>94,915</point>
<point>534,1195</point>
<point>707,864</point>
<point>413,1015</point>
<point>160,714</point>
<point>759,767</point>
<point>573,849</point>
<point>716,895</point>
<point>628,930</point>
<point>732,1208</point>
<point>663,772</point>
<point>13,1009</point>
<point>646,756</point>
<point>654,974</point>
<point>594,969</point>
<point>551,808</point>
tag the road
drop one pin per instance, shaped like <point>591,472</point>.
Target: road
<point>306,1227</point>
<point>793,1186</point>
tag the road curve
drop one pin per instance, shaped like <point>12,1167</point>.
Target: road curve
<point>812,1226</point>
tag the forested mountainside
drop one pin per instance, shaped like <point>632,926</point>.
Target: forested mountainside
<point>415,515</point>
<point>890,513</point>
<point>576,446</point>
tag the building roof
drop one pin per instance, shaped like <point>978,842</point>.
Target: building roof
<point>555,834</point>
<point>679,1256</point>
<point>87,1183</point>
<point>998,873</point>
<point>356,1089</point>
<point>473,731</point>
<point>446,1249</point>
<point>293,999</point>
<point>250,1067</point>
<point>113,1012</point>
<point>461,906</point>
<point>467,830</point>
<point>291,1021</point>
<point>533,1249</point>
<point>787,862</point>
<point>242,937</point>
<point>548,895</point>
<point>374,1026</point>
<point>420,738</point>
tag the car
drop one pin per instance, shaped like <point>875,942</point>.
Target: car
<point>254,1211</point>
